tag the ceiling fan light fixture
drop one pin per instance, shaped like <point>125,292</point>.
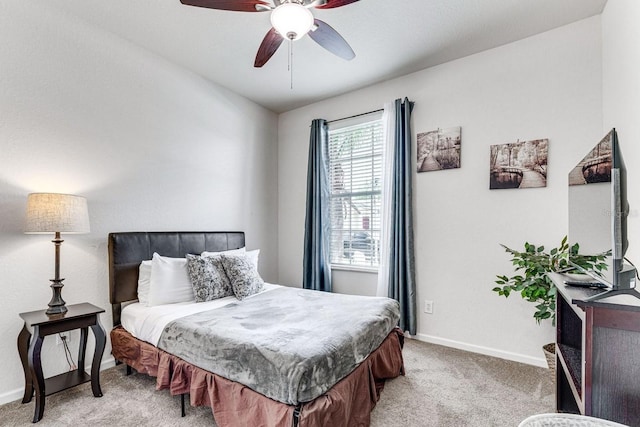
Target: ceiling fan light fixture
<point>292,20</point>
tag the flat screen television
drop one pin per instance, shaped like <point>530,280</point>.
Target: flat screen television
<point>598,210</point>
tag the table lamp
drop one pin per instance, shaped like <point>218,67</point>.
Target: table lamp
<point>56,213</point>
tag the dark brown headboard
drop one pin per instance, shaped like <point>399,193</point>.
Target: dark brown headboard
<point>128,250</point>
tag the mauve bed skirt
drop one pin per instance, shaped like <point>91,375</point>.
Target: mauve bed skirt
<point>348,403</point>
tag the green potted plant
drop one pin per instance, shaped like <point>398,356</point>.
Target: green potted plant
<point>532,282</point>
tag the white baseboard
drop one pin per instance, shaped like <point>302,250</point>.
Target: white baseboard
<point>10,396</point>
<point>535,361</point>
<point>17,394</point>
<point>109,363</point>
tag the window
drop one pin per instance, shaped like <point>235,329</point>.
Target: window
<point>355,179</point>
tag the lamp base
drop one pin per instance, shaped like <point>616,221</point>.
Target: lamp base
<point>57,304</point>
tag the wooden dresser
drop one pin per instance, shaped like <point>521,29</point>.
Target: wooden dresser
<point>597,354</point>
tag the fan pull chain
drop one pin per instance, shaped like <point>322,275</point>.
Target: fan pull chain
<point>291,62</point>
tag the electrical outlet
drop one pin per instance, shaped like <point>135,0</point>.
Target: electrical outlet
<point>66,334</point>
<point>428,307</point>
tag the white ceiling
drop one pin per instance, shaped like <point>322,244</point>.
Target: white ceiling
<point>391,38</point>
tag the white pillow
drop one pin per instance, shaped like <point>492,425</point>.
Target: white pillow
<point>251,255</point>
<point>169,281</point>
<point>240,251</point>
<point>144,282</point>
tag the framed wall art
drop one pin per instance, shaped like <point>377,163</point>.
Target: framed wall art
<point>439,149</point>
<point>519,165</point>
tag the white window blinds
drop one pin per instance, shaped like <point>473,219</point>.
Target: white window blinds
<point>355,175</point>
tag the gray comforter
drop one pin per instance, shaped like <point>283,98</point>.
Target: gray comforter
<point>289,344</point>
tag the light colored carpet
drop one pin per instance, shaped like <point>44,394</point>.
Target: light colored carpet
<point>443,387</point>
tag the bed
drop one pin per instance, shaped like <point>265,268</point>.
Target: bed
<point>348,382</point>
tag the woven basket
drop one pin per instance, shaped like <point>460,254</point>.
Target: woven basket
<point>566,420</point>
<point>550,353</point>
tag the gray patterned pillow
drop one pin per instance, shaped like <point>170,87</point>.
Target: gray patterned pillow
<point>208,278</point>
<point>243,276</point>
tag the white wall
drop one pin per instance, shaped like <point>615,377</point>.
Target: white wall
<point>151,147</point>
<point>621,99</point>
<point>546,86</point>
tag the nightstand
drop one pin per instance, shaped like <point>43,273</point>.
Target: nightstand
<point>37,325</point>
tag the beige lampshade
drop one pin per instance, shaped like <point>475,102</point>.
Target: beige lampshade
<point>52,212</point>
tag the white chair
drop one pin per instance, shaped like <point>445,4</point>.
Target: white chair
<point>566,420</point>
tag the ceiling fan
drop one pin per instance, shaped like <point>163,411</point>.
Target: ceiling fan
<point>291,20</point>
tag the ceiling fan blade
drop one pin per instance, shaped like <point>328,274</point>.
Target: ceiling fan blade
<point>236,5</point>
<point>330,4</point>
<point>329,39</point>
<point>268,47</point>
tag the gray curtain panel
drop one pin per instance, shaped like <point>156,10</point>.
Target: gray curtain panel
<point>317,234</point>
<point>402,277</point>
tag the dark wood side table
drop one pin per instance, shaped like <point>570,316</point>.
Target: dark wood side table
<point>597,354</point>
<point>37,325</point>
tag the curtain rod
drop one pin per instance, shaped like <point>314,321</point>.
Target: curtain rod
<point>357,115</point>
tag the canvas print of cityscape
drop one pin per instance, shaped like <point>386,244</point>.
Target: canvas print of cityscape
<point>519,165</point>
